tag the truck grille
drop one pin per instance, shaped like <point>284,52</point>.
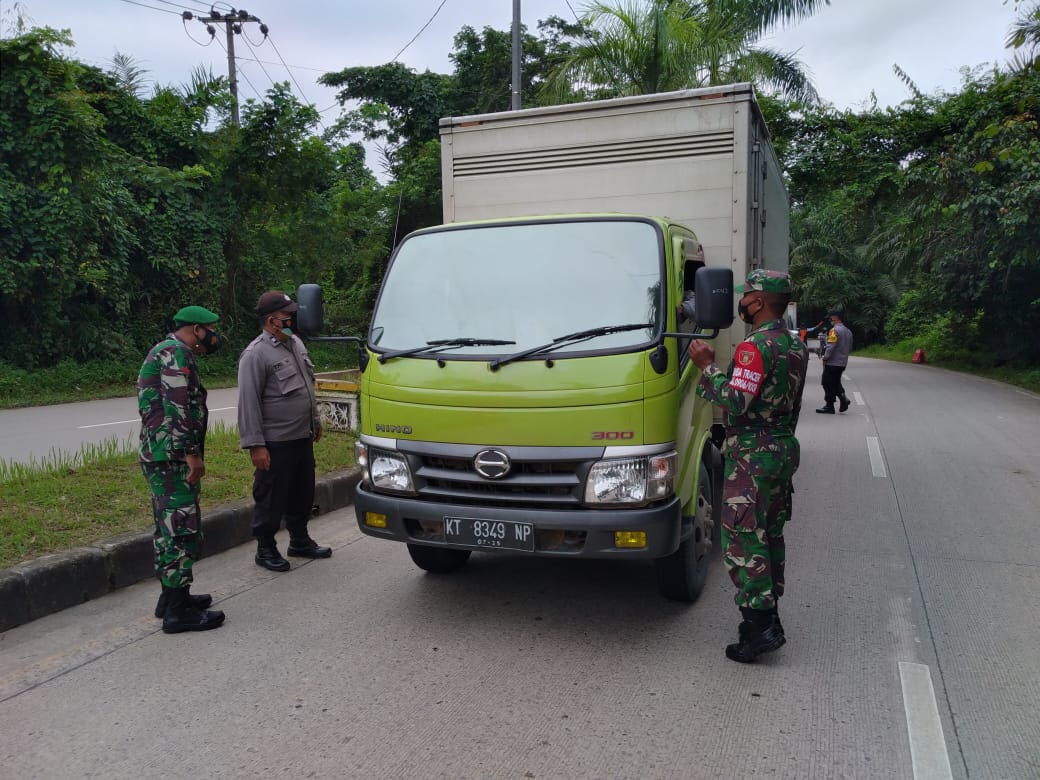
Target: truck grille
<point>545,484</point>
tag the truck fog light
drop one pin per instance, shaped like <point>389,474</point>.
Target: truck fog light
<point>375,520</point>
<point>630,539</point>
<point>389,471</point>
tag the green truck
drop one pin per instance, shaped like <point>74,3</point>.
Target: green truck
<point>525,387</point>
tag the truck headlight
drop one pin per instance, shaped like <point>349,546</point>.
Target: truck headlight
<point>631,480</point>
<point>386,470</point>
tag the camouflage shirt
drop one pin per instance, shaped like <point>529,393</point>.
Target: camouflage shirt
<point>762,392</point>
<point>172,402</point>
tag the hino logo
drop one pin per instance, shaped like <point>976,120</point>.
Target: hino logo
<point>491,464</point>
<point>393,428</point>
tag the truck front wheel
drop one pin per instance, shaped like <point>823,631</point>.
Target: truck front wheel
<point>681,575</point>
<point>439,560</point>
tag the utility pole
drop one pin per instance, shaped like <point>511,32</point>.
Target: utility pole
<point>232,21</point>
<point>515,98</point>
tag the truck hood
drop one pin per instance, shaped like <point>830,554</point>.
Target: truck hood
<point>582,401</point>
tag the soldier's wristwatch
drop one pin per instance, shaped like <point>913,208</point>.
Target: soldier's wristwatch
<point>191,449</point>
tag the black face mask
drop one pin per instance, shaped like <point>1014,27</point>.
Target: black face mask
<point>211,341</point>
<point>745,314</point>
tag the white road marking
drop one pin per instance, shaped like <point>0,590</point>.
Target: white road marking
<point>858,397</point>
<point>877,463</point>
<point>102,425</point>
<point>928,755</point>
<point>125,422</point>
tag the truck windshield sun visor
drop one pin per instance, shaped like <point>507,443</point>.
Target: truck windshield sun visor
<point>441,344</point>
<point>570,338</point>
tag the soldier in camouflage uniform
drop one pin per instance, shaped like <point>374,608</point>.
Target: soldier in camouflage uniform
<point>761,396</point>
<point>172,403</point>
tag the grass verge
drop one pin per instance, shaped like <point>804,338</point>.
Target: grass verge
<point>62,502</point>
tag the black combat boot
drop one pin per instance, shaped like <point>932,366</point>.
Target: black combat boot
<point>182,616</point>
<point>826,409</point>
<point>200,601</point>
<point>760,632</point>
<point>267,555</point>
<point>843,403</point>
<point>302,546</point>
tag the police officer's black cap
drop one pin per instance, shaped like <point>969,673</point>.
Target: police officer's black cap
<point>274,300</point>
<point>836,313</point>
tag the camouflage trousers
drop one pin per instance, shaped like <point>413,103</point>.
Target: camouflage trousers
<point>175,508</point>
<point>756,505</point>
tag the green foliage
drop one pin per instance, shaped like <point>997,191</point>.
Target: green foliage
<point>642,47</point>
<point>915,311</point>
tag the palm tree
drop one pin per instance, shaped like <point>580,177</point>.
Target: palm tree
<point>1025,35</point>
<point>639,47</point>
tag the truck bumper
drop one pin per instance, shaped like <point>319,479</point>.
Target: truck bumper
<point>586,533</point>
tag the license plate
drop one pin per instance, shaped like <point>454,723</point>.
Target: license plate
<point>489,534</point>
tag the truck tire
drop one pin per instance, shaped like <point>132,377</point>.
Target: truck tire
<point>681,575</point>
<point>439,560</point>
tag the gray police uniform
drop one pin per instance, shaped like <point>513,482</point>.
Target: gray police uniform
<point>835,359</point>
<point>277,408</point>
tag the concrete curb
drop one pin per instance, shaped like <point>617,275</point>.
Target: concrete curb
<point>55,582</point>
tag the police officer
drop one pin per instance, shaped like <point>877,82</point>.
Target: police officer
<point>278,423</point>
<point>761,394</point>
<point>172,404</point>
<point>835,358</point>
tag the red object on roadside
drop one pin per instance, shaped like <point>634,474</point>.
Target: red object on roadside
<point>918,357</point>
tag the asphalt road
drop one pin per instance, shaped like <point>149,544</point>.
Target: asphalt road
<point>41,432</point>
<point>912,616</point>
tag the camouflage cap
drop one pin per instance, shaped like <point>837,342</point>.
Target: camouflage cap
<point>766,281</point>
<point>195,315</point>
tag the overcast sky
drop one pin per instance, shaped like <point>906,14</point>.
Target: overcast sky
<point>849,47</point>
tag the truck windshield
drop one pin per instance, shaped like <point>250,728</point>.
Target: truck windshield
<point>524,284</point>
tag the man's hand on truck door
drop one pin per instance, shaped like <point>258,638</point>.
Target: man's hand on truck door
<point>701,353</point>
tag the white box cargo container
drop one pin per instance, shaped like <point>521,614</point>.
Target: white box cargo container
<point>701,157</point>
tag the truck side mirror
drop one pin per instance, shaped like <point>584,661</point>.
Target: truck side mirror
<point>310,311</point>
<point>713,295</point>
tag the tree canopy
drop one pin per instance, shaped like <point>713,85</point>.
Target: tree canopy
<point>118,207</point>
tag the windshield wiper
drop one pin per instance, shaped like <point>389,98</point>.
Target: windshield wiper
<point>570,338</point>
<point>442,344</point>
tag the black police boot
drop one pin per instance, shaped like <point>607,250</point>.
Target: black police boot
<point>200,601</point>
<point>758,633</point>
<point>843,403</point>
<point>267,555</point>
<point>182,616</point>
<point>826,409</point>
<point>302,546</point>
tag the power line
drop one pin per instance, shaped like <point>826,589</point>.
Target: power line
<point>152,7</point>
<point>428,23</point>
<point>305,100</point>
<point>182,5</point>
<point>258,93</point>
<point>244,38</point>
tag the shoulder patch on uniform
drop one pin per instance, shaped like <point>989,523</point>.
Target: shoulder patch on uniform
<point>747,368</point>
<point>832,337</point>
